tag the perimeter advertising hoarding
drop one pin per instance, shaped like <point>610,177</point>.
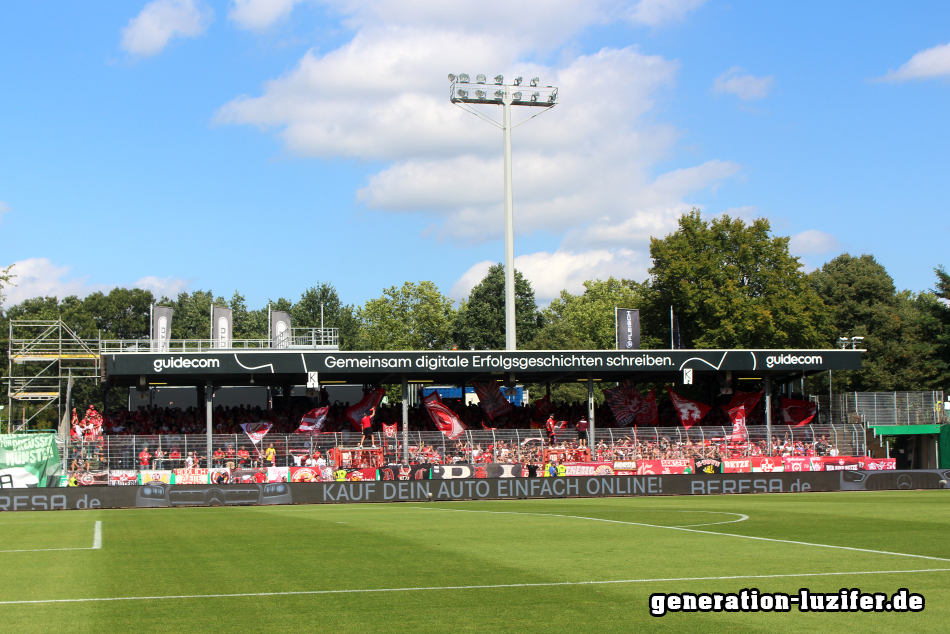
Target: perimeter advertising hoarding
<point>160,494</point>
<point>469,362</point>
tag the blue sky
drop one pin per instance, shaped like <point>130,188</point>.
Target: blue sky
<point>267,145</point>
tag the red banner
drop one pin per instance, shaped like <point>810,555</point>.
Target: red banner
<point>796,463</point>
<point>305,474</point>
<point>879,464</point>
<point>740,465</point>
<point>445,419</point>
<point>492,401</point>
<point>312,421</point>
<point>748,399</point>
<point>664,467</point>
<point>89,478</point>
<point>837,463</point>
<point>739,431</point>
<point>589,468</point>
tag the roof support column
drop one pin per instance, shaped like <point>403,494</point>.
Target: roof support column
<point>405,420</point>
<point>768,411</point>
<point>592,443</point>
<point>209,396</point>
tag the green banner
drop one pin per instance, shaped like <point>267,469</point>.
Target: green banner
<point>29,460</point>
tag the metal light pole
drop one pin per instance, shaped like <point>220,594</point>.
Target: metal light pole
<point>505,95</point>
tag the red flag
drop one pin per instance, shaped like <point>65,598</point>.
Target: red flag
<point>445,419</point>
<point>739,431</point>
<point>648,414</point>
<point>312,421</point>
<point>797,413</point>
<point>543,405</point>
<point>389,431</point>
<point>491,399</point>
<point>487,428</point>
<point>690,412</point>
<point>256,431</point>
<point>355,413</point>
<point>748,399</point>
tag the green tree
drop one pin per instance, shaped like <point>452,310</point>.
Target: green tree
<point>6,280</point>
<point>306,313</point>
<point>898,327</point>
<point>414,317</point>
<point>480,323</point>
<point>731,285</point>
<point>590,316</point>
<point>120,314</point>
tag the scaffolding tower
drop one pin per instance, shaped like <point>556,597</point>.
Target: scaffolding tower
<point>42,355</point>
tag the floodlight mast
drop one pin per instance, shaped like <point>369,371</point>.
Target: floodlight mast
<point>506,95</point>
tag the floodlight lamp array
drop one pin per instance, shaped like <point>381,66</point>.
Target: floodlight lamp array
<point>535,98</point>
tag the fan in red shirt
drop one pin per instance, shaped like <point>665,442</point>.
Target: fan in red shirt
<point>367,423</point>
<point>243,455</point>
<point>144,457</point>
<point>551,426</point>
<point>582,427</point>
<point>260,477</point>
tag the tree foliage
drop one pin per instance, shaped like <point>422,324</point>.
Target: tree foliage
<point>587,321</point>
<point>732,285</point>
<point>900,329</point>
<point>414,317</point>
<point>480,323</point>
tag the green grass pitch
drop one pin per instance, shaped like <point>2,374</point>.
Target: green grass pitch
<point>479,566</point>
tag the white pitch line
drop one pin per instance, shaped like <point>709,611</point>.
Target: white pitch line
<point>693,530</point>
<point>482,587</point>
<point>96,544</point>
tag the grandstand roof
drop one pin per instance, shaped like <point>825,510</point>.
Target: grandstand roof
<point>281,367</point>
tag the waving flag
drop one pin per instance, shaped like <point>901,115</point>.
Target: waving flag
<point>690,412</point>
<point>445,419</point>
<point>491,399</point>
<point>648,414</point>
<point>747,399</point>
<point>312,421</point>
<point>355,413</point>
<point>739,431</point>
<point>389,431</point>
<point>256,431</point>
<point>629,407</point>
<point>625,402</point>
<point>797,413</point>
<point>543,405</point>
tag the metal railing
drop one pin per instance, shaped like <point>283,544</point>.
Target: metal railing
<point>890,408</point>
<point>301,339</point>
<point>505,446</point>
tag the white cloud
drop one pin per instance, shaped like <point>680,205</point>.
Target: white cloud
<point>258,15</point>
<point>160,21</point>
<point>550,273</point>
<point>584,171</point>
<point>40,277</point>
<point>745,87</point>
<point>813,242</point>
<point>659,12</point>
<point>927,64</point>
<point>167,286</point>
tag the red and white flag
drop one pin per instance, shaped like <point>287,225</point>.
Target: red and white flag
<point>648,414</point>
<point>491,399</point>
<point>739,431</point>
<point>543,405</point>
<point>445,419</point>
<point>312,421</point>
<point>690,412</point>
<point>355,413</point>
<point>625,402</point>
<point>389,431</point>
<point>797,413</point>
<point>747,399</point>
<point>256,431</point>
